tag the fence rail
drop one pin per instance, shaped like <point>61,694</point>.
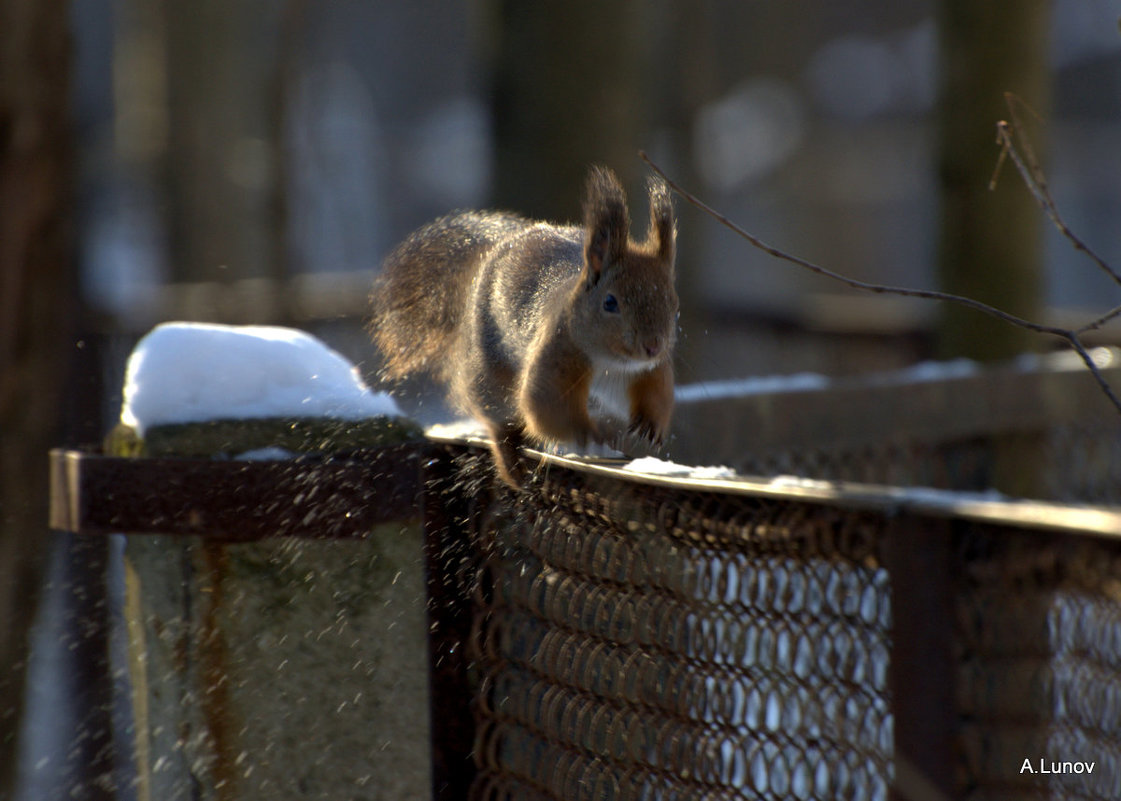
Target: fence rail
<point>1041,428</point>
<point>338,496</point>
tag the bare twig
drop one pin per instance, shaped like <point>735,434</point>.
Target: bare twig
<point>1097,323</point>
<point>865,286</point>
<point>1092,366</point>
<point>1008,134</point>
<point>1070,336</point>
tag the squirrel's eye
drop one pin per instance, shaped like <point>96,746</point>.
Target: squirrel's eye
<point>610,304</point>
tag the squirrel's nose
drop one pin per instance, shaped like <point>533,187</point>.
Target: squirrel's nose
<point>652,346</point>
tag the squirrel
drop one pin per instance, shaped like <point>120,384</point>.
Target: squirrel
<point>553,333</point>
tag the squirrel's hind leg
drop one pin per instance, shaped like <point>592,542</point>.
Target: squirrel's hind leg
<point>507,440</point>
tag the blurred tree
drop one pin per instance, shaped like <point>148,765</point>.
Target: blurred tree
<point>681,63</point>
<point>222,138</point>
<point>37,287</point>
<point>990,241</point>
<point>582,82</point>
<point>566,94</point>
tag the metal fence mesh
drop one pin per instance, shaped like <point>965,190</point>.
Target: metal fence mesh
<point>631,641</point>
<point>1045,431</point>
<point>1082,460</point>
<point>1077,462</point>
<point>639,643</point>
<point>1039,661</point>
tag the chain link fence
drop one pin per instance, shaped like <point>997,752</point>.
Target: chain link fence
<point>1038,653</point>
<point>1040,429</point>
<point>630,638</point>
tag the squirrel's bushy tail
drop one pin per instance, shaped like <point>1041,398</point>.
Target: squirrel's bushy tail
<point>420,297</point>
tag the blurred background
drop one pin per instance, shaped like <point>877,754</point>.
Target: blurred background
<point>252,162</point>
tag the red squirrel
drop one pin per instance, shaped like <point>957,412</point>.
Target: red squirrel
<point>551,332</point>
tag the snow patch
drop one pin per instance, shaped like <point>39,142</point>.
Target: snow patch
<point>758,385</point>
<point>464,428</point>
<point>651,465</point>
<point>194,372</point>
<point>934,371</point>
<point>798,482</point>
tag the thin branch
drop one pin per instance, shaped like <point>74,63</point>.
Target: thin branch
<point>1088,360</point>
<point>865,286</point>
<point>1068,335</point>
<point>1097,323</point>
<point>1007,134</point>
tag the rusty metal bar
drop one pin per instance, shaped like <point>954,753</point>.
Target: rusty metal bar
<point>314,497</point>
<point>917,552</point>
<point>1067,518</point>
<point>451,560</point>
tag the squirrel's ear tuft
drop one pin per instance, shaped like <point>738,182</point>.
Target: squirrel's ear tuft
<point>605,222</point>
<point>663,230</point>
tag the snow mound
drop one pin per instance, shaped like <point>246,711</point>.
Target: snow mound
<point>651,465</point>
<point>194,372</point>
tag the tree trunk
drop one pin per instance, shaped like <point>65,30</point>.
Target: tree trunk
<point>36,286</point>
<point>991,241</point>
<point>566,95</point>
<point>222,143</point>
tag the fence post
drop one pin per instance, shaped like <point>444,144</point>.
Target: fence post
<point>917,553</point>
<point>452,566</point>
<point>280,668</point>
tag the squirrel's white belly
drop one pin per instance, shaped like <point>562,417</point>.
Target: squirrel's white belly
<point>608,394</point>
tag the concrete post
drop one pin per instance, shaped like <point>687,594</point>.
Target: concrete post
<point>281,668</point>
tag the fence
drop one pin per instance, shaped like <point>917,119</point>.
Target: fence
<point>1040,429</point>
<point>607,635</point>
<point>635,640</point>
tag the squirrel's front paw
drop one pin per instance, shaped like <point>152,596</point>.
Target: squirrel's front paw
<point>648,430</point>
